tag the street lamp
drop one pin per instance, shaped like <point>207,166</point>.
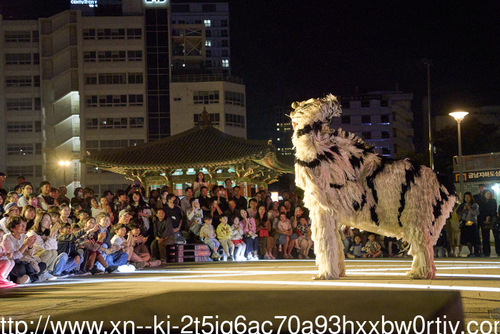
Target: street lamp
<point>64,164</point>
<point>459,116</point>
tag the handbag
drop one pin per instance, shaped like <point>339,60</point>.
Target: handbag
<point>263,233</point>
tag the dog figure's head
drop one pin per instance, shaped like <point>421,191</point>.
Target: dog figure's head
<point>315,111</point>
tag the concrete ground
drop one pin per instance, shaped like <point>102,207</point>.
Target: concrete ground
<point>180,286</point>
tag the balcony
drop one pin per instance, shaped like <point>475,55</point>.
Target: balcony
<point>207,78</point>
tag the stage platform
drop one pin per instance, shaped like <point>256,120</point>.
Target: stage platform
<point>381,283</point>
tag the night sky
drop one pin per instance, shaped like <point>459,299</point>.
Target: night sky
<point>293,50</point>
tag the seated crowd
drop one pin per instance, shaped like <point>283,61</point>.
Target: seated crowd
<point>48,236</point>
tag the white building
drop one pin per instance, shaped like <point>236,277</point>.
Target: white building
<point>74,83</point>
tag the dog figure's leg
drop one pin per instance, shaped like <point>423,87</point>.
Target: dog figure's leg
<point>327,244</point>
<point>423,262</point>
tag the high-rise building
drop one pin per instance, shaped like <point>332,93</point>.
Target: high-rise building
<point>383,119</point>
<point>98,77</point>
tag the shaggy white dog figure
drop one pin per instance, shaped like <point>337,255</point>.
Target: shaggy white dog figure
<point>345,182</point>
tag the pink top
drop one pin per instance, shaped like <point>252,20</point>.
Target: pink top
<point>249,227</point>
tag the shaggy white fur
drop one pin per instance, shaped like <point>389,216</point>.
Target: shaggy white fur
<point>345,182</point>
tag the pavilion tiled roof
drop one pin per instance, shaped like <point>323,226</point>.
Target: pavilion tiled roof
<point>196,148</point>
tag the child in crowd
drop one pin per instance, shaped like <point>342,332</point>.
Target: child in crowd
<point>356,249</point>
<point>208,236</point>
<point>125,244</point>
<point>285,231</point>
<point>237,239</point>
<point>224,233</point>
<point>404,248</point>
<point>372,247</point>
<point>304,241</point>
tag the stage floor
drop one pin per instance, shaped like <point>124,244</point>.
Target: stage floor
<point>478,281</point>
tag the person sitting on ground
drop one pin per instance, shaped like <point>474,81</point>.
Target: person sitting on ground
<point>95,208</point>
<point>304,241</point>
<point>252,210</point>
<point>163,235</point>
<point>10,210</point>
<point>81,215</point>
<point>175,214</point>
<point>263,227</point>
<point>27,189</point>
<point>124,240</point>
<point>232,212</point>
<point>357,248</point>
<point>62,196</point>
<point>284,232</point>
<point>45,246</point>
<point>65,212</point>
<point>224,233</point>
<point>19,248</point>
<point>33,200</point>
<point>251,237</point>
<point>55,216</point>
<point>54,193</point>
<point>45,201</point>
<point>112,255</point>
<point>208,236</point>
<point>204,201</point>
<point>194,216</point>
<point>237,239</point>
<point>139,245</point>
<point>241,202</point>
<point>215,213</point>
<point>12,197</point>
<point>105,207</point>
<point>372,247</point>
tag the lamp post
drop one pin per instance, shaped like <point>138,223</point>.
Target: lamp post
<point>459,116</point>
<point>428,63</point>
<point>64,164</point>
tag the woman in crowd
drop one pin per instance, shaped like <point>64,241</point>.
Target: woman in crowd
<point>468,212</point>
<point>250,238</point>
<point>263,228</point>
<point>29,214</point>
<point>199,182</point>
<point>194,215</point>
<point>27,268</point>
<point>273,211</point>
<point>106,208</point>
<point>94,206</point>
<point>45,246</point>
<point>489,213</point>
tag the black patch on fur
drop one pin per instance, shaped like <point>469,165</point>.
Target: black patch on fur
<point>311,164</point>
<point>355,205</point>
<point>445,182</point>
<point>363,201</point>
<point>411,174</point>
<point>374,215</point>
<point>384,162</point>
<point>327,156</point>
<point>316,127</point>
<point>336,186</point>
<point>356,162</point>
<point>335,149</point>
<point>359,206</point>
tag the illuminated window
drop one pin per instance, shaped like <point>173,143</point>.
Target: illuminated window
<point>208,43</point>
<point>225,63</point>
<point>208,23</point>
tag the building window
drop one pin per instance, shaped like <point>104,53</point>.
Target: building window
<point>17,36</point>
<point>111,33</point>
<point>134,55</point>
<point>208,43</point>
<point>386,150</point>
<point>35,35</point>
<point>135,142</point>
<point>135,33</point>
<point>107,56</point>
<point>225,53</point>
<point>208,8</point>
<point>38,148</point>
<point>207,23</point>
<point>366,119</point>
<point>91,101</point>
<point>92,145</point>
<point>365,104</point>
<point>235,120</point>
<point>88,34</point>
<point>112,100</point>
<point>38,103</point>
<point>19,103</point>
<point>36,58</point>
<point>18,59</point>
<point>36,81</point>
<point>177,99</point>
<point>136,122</point>
<point>346,119</point>
<point>366,135</point>
<point>234,98</point>
<point>384,119</point>
<point>19,149</point>
<point>112,78</point>
<point>113,144</point>
<point>38,126</point>
<point>208,33</point>
<point>223,23</point>
<point>91,79</point>
<point>135,78</point>
<point>208,53</point>
<point>386,135</point>
<point>15,171</point>
<point>224,33</point>
<point>384,103</point>
<point>113,123</point>
<point>26,126</point>
<point>89,56</point>
<point>206,97</point>
<point>135,100</point>
<point>214,118</point>
<point>225,63</point>
<point>225,43</point>
<point>91,123</point>
<point>18,81</point>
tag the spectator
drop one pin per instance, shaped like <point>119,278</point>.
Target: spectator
<point>488,213</point>
<point>69,256</point>
<point>219,194</point>
<point>63,191</point>
<point>357,249</point>
<point>228,185</point>
<point>232,212</point>
<point>139,245</point>
<point>250,238</point>
<point>113,257</point>
<point>95,208</point>
<point>163,236</point>
<point>372,247</point>
<point>204,201</point>
<point>6,266</point>
<point>45,246</point>
<point>186,200</point>
<point>54,193</point>
<point>121,204</point>
<point>469,235</point>
<point>208,236</point>
<point>273,211</point>
<point>33,200</point>
<point>2,179</point>
<point>194,216</point>
<point>390,244</point>
<point>65,212</point>
<point>45,201</point>
<point>2,211</point>
<point>263,227</point>
<point>29,213</point>
<point>198,183</point>
<point>304,241</point>
<point>224,233</point>
<point>18,247</point>
<point>215,213</point>
<point>237,239</point>
<point>252,210</point>
<point>241,202</point>
<point>175,214</point>
<point>455,233</point>
<point>125,244</point>
<point>104,205</point>
<point>27,189</point>
<point>10,209</point>
<point>12,197</point>
<point>284,230</point>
